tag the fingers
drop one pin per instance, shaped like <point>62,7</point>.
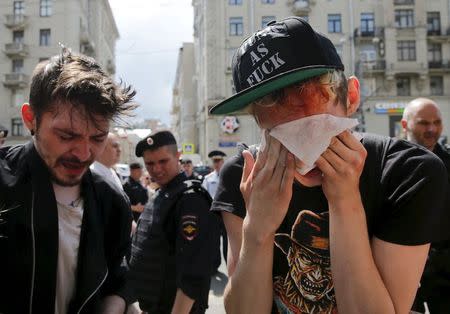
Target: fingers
<point>350,141</point>
<point>280,166</point>
<point>248,165</point>
<point>289,172</point>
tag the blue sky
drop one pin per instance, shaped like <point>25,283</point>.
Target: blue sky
<point>151,33</point>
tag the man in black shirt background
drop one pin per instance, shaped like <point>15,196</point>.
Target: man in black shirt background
<point>422,123</point>
<point>136,192</point>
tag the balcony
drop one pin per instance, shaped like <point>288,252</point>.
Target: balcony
<point>15,80</point>
<point>16,21</point>
<point>439,66</point>
<point>368,35</point>
<point>16,50</point>
<point>302,7</point>
<point>403,2</point>
<point>374,66</point>
<point>87,46</point>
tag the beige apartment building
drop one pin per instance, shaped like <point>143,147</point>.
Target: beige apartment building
<point>399,49</point>
<point>32,30</point>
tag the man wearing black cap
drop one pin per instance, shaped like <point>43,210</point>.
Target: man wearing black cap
<point>137,194</point>
<point>3,135</point>
<point>210,183</point>
<point>171,262</point>
<point>368,206</point>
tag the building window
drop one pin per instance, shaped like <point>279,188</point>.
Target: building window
<point>436,85</point>
<point>266,20</point>
<point>367,24</point>
<point>435,54</point>
<point>236,26</point>
<point>334,23</point>
<point>404,18</point>
<point>17,66</point>
<point>18,37</point>
<point>406,50</point>
<point>403,86</point>
<point>268,1</point>
<point>18,7</point>
<point>46,8</point>
<point>234,2</point>
<point>16,127</point>
<point>403,2</point>
<point>44,37</point>
<point>434,23</point>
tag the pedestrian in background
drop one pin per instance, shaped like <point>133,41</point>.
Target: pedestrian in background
<point>422,123</point>
<point>137,193</point>
<point>171,257</point>
<point>104,164</point>
<point>64,230</point>
<point>210,183</point>
<point>188,168</point>
<point>3,135</point>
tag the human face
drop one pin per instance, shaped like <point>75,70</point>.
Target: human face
<point>217,164</point>
<point>162,164</point>
<point>425,126</point>
<point>187,168</point>
<point>315,99</point>
<point>68,143</point>
<point>111,153</point>
<point>136,174</point>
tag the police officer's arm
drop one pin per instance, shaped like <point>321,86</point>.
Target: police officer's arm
<point>193,248</point>
<point>182,304</point>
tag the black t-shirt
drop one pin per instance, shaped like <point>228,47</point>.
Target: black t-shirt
<point>402,188</point>
<point>136,193</point>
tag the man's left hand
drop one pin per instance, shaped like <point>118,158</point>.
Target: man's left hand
<point>342,164</point>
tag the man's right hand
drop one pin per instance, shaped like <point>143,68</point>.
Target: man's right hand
<point>139,208</point>
<point>266,186</point>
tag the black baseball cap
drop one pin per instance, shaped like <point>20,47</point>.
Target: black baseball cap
<point>155,141</point>
<point>283,53</point>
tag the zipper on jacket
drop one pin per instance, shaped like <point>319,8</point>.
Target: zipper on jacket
<point>96,289</point>
<point>33,245</point>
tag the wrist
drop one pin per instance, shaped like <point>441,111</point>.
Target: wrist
<point>351,203</point>
<point>256,234</point>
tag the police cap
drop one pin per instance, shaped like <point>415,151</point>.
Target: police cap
<point>216,154</point>
<point>155,141</point>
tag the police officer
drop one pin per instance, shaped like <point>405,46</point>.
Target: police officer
<point>3,134</point>
<point>137,194</point>
<point>210,183</point>
<point>188,168</point>
<point>171,260</point>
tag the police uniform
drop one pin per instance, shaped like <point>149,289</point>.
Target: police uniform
<point>172,245</point>
<point>136,193</point>
<point>210,183</point>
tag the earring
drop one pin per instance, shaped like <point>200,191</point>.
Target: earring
<point>32,132</point>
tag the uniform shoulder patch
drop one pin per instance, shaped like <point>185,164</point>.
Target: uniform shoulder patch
<point>189,227</point>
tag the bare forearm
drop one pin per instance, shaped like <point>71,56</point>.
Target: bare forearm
<point>113,304</point>
<point>182,304</point>
<point>358,285</point>
<point>250,287</point>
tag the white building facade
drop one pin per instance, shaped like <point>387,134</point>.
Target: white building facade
<point>31,31</point>
<point>399,49</point>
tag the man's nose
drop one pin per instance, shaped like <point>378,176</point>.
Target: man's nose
<point>83,151</point>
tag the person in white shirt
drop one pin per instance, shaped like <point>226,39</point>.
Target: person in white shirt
<point>104,163</point>
<point>210,183</point>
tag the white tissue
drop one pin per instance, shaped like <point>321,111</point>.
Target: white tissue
<point>309,137</point>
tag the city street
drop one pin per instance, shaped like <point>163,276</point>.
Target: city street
<point>218,283</point>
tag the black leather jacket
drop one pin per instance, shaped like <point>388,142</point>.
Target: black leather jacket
<point>29,237</point>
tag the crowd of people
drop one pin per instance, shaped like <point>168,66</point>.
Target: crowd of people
<point>314,219</point>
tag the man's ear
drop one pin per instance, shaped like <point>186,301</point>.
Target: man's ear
<point>353,95</point>
<point>404,124</point>
<point>28,118</point>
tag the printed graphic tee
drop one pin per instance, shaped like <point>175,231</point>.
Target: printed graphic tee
<point>402,188</point>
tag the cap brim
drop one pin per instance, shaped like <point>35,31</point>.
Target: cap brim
<point>242,99</point>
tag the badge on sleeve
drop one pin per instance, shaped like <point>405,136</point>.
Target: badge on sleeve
<point>189,227</point>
